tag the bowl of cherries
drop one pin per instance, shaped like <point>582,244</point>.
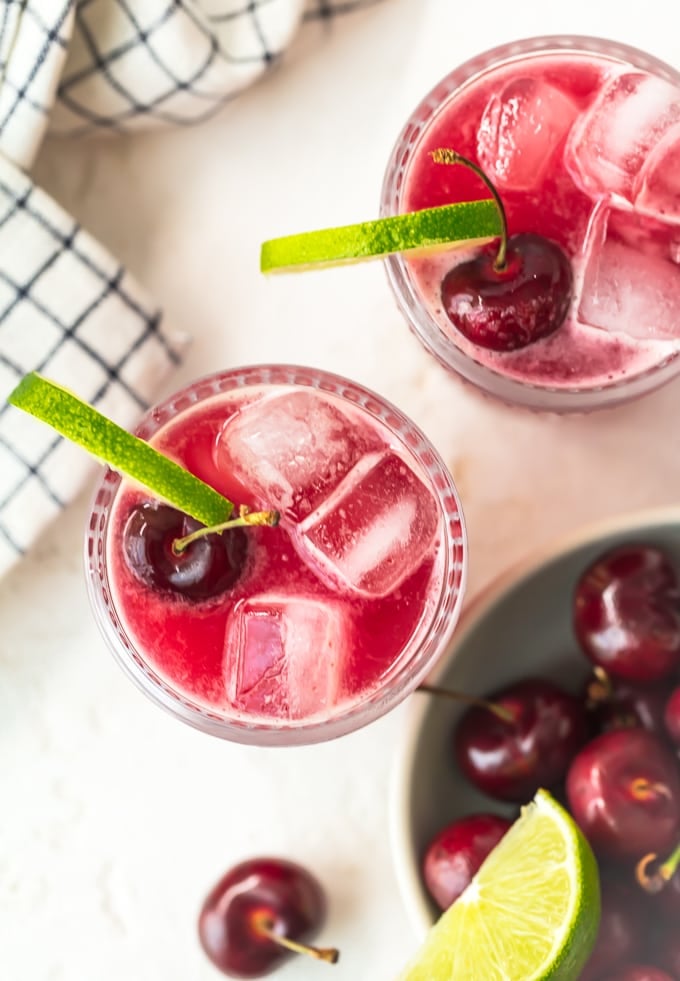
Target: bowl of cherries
<point>565,675</point>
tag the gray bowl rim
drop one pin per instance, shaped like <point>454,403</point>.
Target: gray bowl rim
<point>481,604</point>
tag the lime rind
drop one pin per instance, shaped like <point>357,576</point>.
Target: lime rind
<point>530,914</point>
<point>426,229</point>
<point>104,439</point>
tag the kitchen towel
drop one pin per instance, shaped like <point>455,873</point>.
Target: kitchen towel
<point>67,306</point>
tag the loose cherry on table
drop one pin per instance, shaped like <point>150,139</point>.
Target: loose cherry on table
<point>508,295</point>
<point>260,913</point>
<point>623,789</point>
<point>627,614</point>
<point>455,854</point>
<point>510,758</point>
<point>206,567</point>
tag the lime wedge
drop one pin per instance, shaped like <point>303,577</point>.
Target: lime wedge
<point>104,439</point>
<point>531,912</point>
<point>421,230</point>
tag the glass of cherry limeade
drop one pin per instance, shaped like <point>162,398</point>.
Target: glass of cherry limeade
<point>295,633</point>
<point>580,138</point>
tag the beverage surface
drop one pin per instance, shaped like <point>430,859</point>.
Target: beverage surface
<point>583,150</point>
<point>326,601</point>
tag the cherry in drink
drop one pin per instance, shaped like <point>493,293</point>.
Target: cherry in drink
<point>302,631</point>
<point>581,139</point>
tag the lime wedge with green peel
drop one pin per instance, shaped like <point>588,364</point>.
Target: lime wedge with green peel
<point>531,912</point>
<point>430,228</point>
<point>104,439</point>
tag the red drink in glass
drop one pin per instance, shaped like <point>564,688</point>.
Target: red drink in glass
<point>581,138</point>
<point>337,612</point>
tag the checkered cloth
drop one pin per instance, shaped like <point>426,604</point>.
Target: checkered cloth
<point>67,307</point>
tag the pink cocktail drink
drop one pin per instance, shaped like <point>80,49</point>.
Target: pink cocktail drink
<point>581,139</point>
<point>321,623</point>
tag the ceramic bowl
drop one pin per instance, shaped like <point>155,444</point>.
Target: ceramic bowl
<point>519,625</point>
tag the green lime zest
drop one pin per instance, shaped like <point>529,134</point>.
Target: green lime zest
<point>104,439</point>
<point>429,228</point>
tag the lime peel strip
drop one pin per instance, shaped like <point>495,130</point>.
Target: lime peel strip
<point>425,229</point>
<point>102,438</point>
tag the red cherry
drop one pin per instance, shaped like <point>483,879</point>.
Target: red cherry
<point>623,705</point>
<point>511,759</point>
<point>508,308</point>
<point>623,789</point>
<point>667,950</point>
<point>639,972</point>
<point>259,914</point>
<point>627,614</point>
<point>671,716</point>
<point>455,854</point>
<point>205,568</point>
<point>621,934</point>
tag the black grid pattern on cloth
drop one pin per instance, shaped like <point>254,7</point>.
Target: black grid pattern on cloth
<point>96,332</point>
<point>116,84</point>
<point>34,36</point>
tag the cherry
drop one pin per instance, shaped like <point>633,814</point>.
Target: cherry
<point>623,789</point>
<point>621,934</point>
<point>455,854</point>
<point>639,972</point>
<point>660,879</point>
<point>506,308</point>
<point>258,914</point>
<point>667,950</point>
<point>627,614</point>
<point>671,716</point>
<point>205,568</point>
<point>617,704</point>
<point>510,758</point>
<point>511,294</point>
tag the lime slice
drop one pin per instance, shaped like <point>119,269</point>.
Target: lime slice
<point>531,912</point>
<point>421,230</point>
<point>80,423</point>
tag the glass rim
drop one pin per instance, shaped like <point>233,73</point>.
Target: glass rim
<point>430,638</point>
<point>443,348</point>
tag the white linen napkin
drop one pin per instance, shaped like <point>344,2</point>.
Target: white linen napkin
<point>67,306</point>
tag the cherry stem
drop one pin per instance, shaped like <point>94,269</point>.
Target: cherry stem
<point>246,518</point>
<point>662,874</point>
<point>443,155</point>
<point>643,789</point>
<point>505,715</point>
<point>600,688</point>
<point>265,926</point>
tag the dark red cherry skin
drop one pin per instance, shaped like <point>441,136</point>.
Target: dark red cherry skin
<point>508,309</point>
<point>623,789</point>
<point>622,931</point>
<point>629,705</point>
<point>667,949</point>
<point>627,614</point>
<point>456,852</point>
<point>639,972</point>
<point>206,568</point>
<point>671,717</point>
<point>284,893</point>
<point>511,760</point>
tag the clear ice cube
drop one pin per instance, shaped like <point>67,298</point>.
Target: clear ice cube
<point>375,529</point>
<point>520,129</point>
<point>657,187</point>
<point>292,449</point>
<point>284,655</point>
<point>611,140</point>
<point>631,280</point>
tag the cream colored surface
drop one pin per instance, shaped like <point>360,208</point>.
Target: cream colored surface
<point>116,819</point>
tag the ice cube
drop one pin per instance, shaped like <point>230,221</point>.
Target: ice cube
<point>631,281</point>
<point>657,187</point>
<point>521,128</point>
<point>292,449</point>
<point>284,655</point>
<point>375,529</point>
<point>611,140</point>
